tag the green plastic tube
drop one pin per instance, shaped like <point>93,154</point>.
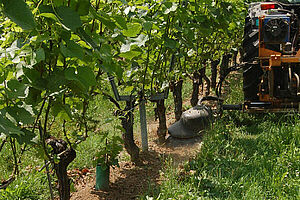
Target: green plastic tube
<point>102,178</point>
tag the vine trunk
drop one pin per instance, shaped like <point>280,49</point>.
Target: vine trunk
<point>66,156</point>
<point>177,95</point>
<point>127,124</point>
<point>162,126</point>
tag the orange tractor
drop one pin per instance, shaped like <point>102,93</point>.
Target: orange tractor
<point>271,57</point>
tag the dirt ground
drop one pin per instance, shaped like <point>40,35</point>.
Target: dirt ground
<point>130,181</point>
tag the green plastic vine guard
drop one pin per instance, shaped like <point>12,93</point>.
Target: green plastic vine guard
<point>102,178</point>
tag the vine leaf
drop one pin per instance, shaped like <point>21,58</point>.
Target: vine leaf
<point>82,7</point>
<point>61,111</point>
<point>58,2</point>
<point>170,43</point>
<point>104,18</point>
<point>84,77</point>
<point>27,137</point>
<point>40,55</point>
<point>34,79</point>
<point>20,115</point>
<point>49,15</point>
<point>72,49</point>
<point>105,53</point>
<point>133,29</point>
<point>88,39</point>
<point>121,21</point>
<point>170,7</point>
<point>69,18</point>
<point>139,41</point>
<point>8,128</point>
<point>131,54</point>
<point>19,12</point>
<point>34,96</point>
<point>147,26</point>
<point>56,82</point>
<point>16,89</point>
<point>87,76</point>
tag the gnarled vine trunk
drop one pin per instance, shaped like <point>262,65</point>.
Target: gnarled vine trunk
<point>66,156</point>
<point>214,72</point>
<point>234,58</point>
<point>161,115</point>
<point>127,123</point>
<point>224,65</point>
<point>206,79</point>
<point>197,81</point>
<point>177,95</point>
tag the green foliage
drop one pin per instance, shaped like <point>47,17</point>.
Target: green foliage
<point>133,29</point>
<point>68,17</point>
<point>48,72</point>
<point>8,128</point>
<point>46,62</point>
<point>72,50</point>
<point>82,7</point>
<point>99,110</point>
<point>18,12</point>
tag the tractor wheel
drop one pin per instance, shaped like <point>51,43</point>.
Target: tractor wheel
<point>250,41</point>
<point>251,71</point>
<point>251,79</point>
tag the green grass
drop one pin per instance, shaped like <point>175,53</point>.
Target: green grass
<point>102,110</point>
<point>28,186</point>
<point>244,156</point>
<point>30,183</point>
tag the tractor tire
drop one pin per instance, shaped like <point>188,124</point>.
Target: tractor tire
<point>251,80</point>
<point>251,71</point>
<point>250,41</point>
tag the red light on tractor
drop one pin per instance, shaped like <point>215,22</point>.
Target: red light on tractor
<point>267,6</point>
